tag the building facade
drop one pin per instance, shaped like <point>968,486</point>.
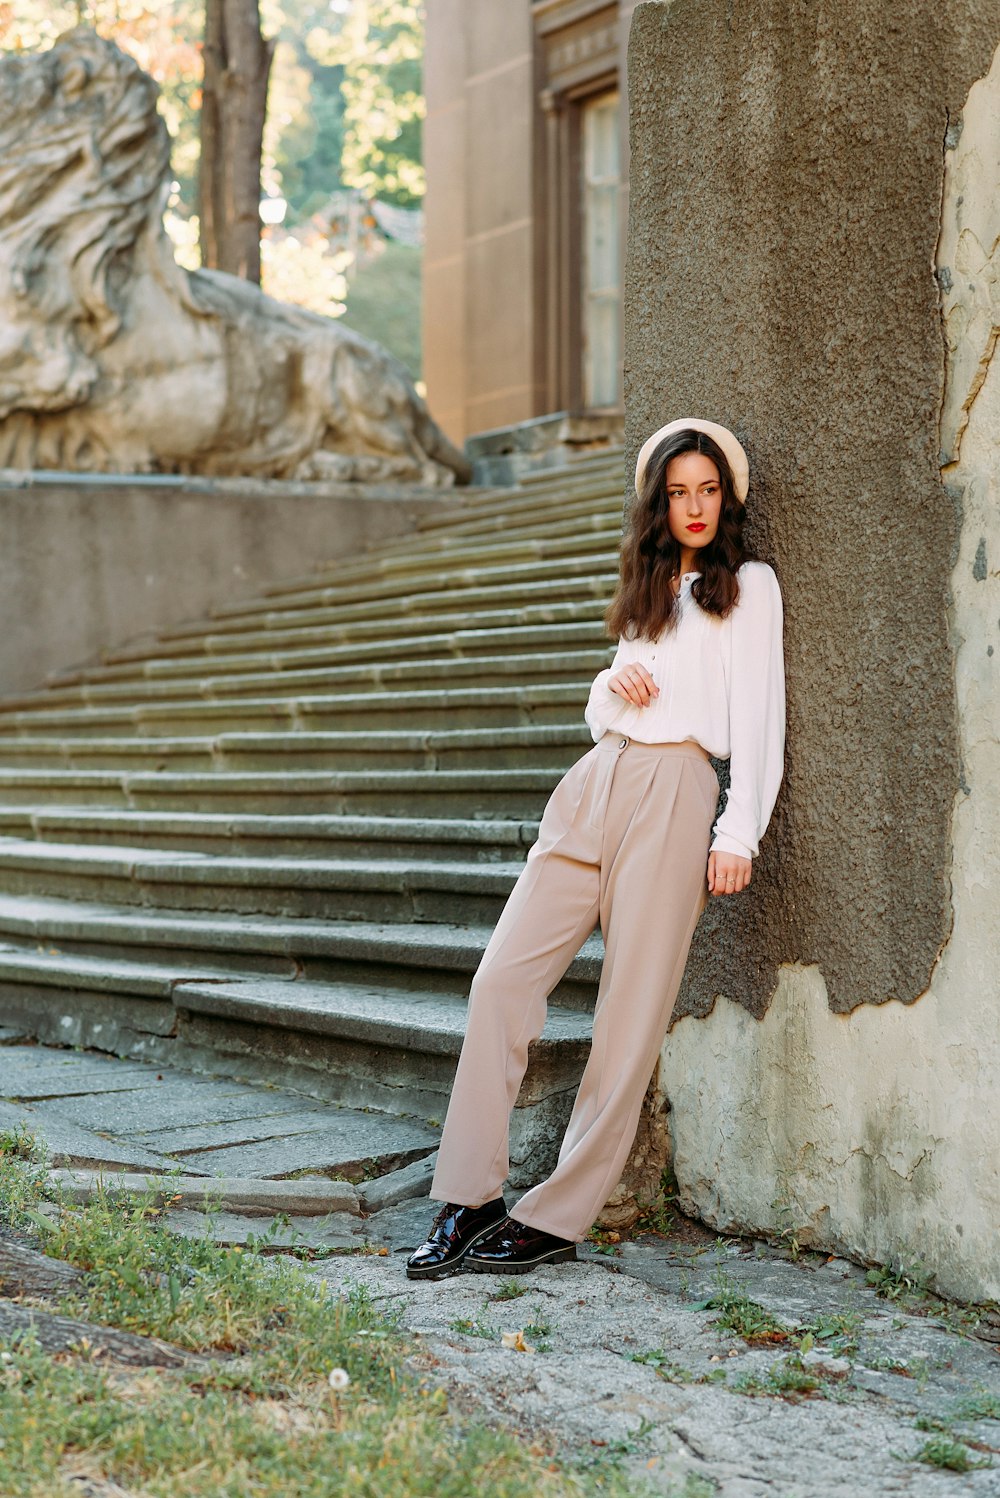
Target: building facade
<point>526,148</point>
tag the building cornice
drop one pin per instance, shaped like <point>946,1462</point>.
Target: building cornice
<point>554,15</point>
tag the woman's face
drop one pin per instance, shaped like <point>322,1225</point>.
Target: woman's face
<point>694,495</point>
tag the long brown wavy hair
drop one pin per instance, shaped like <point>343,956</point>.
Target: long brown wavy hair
<point>644,602</point>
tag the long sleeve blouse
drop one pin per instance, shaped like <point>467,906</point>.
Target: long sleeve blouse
<point>721,683</point>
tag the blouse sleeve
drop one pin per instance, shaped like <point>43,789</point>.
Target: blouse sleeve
<point>756,714</point>
<point>604,707</point>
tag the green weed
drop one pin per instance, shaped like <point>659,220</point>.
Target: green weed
<point>900,1281</point>
<point>468,1327</point>
<point>604,1242</point>
<point>510,1289</point>
<point>945,1451</point>
<point>741,1315</point>
<point>676,1373</point>
<point>835,1331</point>
<point>983,1405</point>
<point>656,1215</point>
<point>537,1331</point>
<point>789,1378</point>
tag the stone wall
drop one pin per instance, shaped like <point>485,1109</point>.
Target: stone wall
<point>85,564</point>
<point>837,1059</point>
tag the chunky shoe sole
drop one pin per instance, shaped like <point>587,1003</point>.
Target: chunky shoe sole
<point>522,1266</point>
<point>452,1266</point>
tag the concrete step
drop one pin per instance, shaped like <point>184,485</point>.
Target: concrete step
<point>196,853</point>
<point>602,482</point>
<point>565,541</point>
<point>568,665</point>
<point>367,838</point>
<point>383,889</point>
<point>546,571</point>
<point>527,516</point>
<point>358,1043</point>
<point>422,956</point>
<point>313,636</point>
<point>516,509</point>
<point>542,746</point>
<point>449,707</point>
<point>442,603</point>
<point>393,1045</point>
<point>519,793</point>
<point>538,638</point>
<point>361,1046</point>
<point>394,1019</point>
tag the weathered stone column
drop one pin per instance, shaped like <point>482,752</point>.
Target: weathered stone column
<point>838,1062</point>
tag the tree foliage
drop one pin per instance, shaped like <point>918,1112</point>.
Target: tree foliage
<point>380,48</point>
<point>304,134</point>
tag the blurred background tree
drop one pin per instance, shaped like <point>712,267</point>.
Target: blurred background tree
<point>236,59</point>
<point>342,137</point>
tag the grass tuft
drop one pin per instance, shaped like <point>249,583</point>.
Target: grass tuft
<point>944,1451</point>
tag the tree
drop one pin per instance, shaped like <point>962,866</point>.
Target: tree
<point>233,106</point>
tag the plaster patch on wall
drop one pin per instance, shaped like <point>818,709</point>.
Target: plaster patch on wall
<point>968,267</point>
<point>876,1132</point>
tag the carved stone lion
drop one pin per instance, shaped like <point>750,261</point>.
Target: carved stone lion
<point>114,358</point>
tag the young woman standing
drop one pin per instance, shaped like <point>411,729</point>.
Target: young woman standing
<point>626,839</point>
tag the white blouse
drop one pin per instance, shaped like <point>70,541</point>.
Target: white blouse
<point>722,684</point>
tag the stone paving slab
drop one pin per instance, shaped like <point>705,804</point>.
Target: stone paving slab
<point>582,1393</point>
<point>338,1231</point>
<point>25,1076</point>
<point>183,1140</point>
<point>182,1102</point>
<point>350,1142</point>
<point>272,1132</point>
<point>399,1185</point>
<point>68,1144</point>
<point>307,1198</point>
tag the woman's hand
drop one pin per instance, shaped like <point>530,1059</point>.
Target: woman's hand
<point>728,873</point>
<point>635,684</point>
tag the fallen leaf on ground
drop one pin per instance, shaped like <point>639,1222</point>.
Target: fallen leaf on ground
<point>516,1341</point>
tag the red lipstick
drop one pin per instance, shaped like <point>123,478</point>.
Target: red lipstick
<point>696,525</point>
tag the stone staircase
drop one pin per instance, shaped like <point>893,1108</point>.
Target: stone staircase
<point>273,843</point>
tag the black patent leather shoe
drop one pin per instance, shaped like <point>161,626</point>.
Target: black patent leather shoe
<point>456,1229</point>
<point>514,1248</point>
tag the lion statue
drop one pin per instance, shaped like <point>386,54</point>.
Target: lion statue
<point>113,358</point>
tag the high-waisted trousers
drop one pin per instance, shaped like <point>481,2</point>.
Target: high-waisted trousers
<point>624,840</point>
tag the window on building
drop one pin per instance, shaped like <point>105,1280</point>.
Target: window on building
<point>601,267</point>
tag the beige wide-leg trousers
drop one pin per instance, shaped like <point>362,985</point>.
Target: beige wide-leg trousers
<point>624,839</point>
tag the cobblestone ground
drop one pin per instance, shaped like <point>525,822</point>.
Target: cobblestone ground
<point>706,1366</point>
<point>630,1365</point>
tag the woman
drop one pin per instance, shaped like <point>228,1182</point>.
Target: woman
<point>624,838</point>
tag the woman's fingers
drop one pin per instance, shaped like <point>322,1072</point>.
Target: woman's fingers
<point>635,684</point>
<point>728,874</point>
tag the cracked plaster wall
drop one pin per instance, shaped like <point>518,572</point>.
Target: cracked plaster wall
<point>870,1127</point>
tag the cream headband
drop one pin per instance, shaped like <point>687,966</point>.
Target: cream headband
<point>738,461</point>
